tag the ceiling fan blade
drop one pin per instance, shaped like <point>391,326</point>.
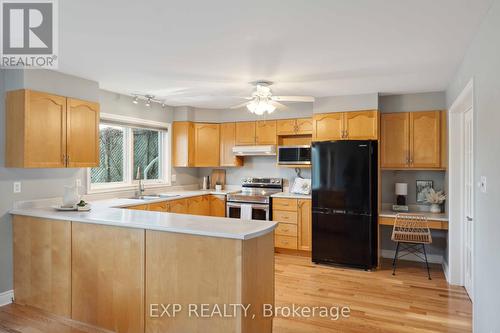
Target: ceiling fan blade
<point>239,105</point>
<point>278,105</point>
<point>293,98</point>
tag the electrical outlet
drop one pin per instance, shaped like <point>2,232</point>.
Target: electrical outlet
<point>174,178</point>
<point>17,187</point>
<point>78,182</point>
<point>482,184</point>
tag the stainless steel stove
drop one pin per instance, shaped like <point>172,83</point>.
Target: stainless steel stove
<point>254,200</point>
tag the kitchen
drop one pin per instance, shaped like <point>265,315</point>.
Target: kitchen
<point>251,191</point>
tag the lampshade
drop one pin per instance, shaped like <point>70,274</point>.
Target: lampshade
<point>401,189</point>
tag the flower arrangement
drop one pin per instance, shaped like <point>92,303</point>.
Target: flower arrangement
<point>434,197</point>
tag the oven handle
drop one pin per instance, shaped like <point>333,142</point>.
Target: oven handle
<point>256,206</point>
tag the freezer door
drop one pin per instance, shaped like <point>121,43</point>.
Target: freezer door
<point>343,239</point>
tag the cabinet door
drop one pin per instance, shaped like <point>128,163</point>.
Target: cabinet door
<point>265,132</point>
<point>304,224</point>
<point>178,206</point>
<point>217,205</point>
<point>35,130</point>
<point>194,205</point>
<point>205,205</point>
<point>425,139</point>
<point>206,140</point>
<point>394,140</point>
<point>361,125</point>
<point>183,144</point>
<point>286,127</point>
<point>82,133</point>
<point>227,142</point>
<point>304,126</point>
<point>159,206</point>
<point>328,126</point>
<point>245,133</point>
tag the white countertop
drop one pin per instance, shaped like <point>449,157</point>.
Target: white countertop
<point>291,195</point>
<point>430,216</point>
<point>111,212</point>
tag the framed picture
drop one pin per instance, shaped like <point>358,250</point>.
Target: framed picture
<point>423,187</point>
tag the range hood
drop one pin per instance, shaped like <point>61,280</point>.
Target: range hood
<point>264,150</point>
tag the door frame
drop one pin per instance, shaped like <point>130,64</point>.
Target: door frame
<point>455,271</point>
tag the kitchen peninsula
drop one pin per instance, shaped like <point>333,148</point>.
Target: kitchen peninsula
<point>112,267</point>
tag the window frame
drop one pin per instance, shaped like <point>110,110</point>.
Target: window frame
<point>164,148</point>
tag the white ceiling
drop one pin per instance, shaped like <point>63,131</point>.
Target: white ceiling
<point>200,53</point>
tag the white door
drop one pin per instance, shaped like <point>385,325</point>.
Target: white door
<point>468,200</point>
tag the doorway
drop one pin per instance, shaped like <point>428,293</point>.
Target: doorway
<point>460,263</point>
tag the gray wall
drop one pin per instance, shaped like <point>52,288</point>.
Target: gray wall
<point>346,103</point>
<point>482,62</point>
<point>413,102</point>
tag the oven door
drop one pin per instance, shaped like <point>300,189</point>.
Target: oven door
<point>259,211</point>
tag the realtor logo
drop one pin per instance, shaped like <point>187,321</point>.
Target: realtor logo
<point>29,34</point>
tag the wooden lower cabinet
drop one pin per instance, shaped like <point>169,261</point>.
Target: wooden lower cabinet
<point>138,207</point>
<point>163,206</point>
<point>294,229</point>
<point>198,205</point>
<point>189,269</point>
<point>178,206</point>
<point>108,277</point>
<point>42,264</point>
<point>217,205</point>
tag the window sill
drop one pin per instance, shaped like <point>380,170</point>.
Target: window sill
<point>127,187</point>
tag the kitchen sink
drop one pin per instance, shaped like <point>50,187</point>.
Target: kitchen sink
<point>154,196</point>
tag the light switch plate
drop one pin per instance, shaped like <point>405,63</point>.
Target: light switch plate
<point>17,187</point>
<point>174,178</point>
<point>482,184</point>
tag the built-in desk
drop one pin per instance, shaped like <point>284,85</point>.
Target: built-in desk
<point>436,221</point>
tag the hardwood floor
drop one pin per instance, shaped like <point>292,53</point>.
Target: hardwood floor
<point>378,301</point>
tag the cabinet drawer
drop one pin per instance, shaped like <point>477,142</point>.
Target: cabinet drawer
<point>285,242</point>
<point>285,204</point>
<point>285,216</point>
<point>286,229</point>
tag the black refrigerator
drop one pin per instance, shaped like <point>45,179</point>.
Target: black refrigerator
<point>344,203</point>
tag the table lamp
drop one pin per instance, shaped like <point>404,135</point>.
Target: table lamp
<point>401,190</point>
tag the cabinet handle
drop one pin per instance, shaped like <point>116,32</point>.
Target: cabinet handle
<point>67,159</point>
<point>64,159</point>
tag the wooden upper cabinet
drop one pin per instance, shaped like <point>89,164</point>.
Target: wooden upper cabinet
<point>300,126</point>
<point>265,132</point>
<point>50,131</point>
<point>412,140</point>
<point>304,224</point>
<point>361,125</point>
<point>286,127</point>
<point>425,139</point>
<point>82,133</point>
<point>206,138</point>
<point>328,126</point>
<point>245,133</point>
<point>227,142</point>
<point>394,140</point>
<point>304,126</point>
<point>183,144</point>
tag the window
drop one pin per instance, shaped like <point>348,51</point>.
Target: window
<point>127,154</point>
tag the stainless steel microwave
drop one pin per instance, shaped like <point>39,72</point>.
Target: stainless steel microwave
<point>294,154</point>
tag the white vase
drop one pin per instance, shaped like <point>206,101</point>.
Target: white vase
<point>435,208</point>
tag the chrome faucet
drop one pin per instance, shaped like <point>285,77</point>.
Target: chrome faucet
<point>140,192</point>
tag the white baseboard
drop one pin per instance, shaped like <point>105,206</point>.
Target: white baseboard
<point>432,258</point>
<point>445,270</point>
<point>6,297</point>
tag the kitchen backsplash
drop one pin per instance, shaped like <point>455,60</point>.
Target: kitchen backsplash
<point>259,166</point>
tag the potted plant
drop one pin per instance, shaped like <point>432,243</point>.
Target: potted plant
<point>435,199</point>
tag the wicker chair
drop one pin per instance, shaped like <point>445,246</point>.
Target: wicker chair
<point>410,231</point>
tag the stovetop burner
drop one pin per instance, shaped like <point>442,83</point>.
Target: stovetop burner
<point>257,190</point>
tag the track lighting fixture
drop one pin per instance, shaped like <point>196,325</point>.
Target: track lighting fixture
<point>148,100</point>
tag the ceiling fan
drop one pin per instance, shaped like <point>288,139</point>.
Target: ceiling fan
<point>262,99</point>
